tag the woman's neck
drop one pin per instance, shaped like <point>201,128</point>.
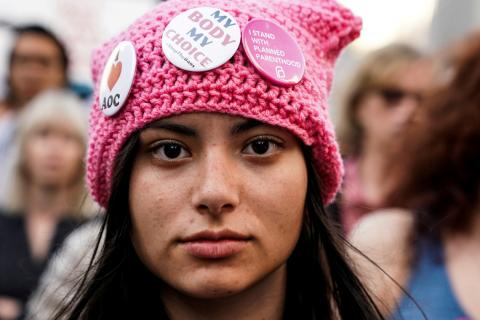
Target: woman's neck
<point>371,164</point>
<point>47,200</point>
<point>265,300</point>
<point>45,206</point>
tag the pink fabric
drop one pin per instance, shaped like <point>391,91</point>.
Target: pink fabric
<point>353,205</point>
<point>321,27</point>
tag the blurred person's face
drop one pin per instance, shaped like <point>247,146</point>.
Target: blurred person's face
<point>384,111</point>
<point>53,156</point>
<point>36,66</point>
<point>216,203</point>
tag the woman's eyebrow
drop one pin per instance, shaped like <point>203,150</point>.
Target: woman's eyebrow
<point>245,126</point>
<point>173,127</point>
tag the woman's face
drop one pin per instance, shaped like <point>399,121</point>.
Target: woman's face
<point>216,202</point>
<point>53,156</point>
<point>384,111</point>
<point>36,66</point>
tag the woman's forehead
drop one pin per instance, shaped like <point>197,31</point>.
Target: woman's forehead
<point>59,125</point>
<point>206,125</point>
<point>207,120</point>
<point>204,116</point>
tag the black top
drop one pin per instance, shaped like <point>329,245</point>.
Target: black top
<point>19,271</point>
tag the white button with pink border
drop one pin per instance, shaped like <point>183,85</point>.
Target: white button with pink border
<point>274,53</point>
<point>201,39</point>
<point>117,78</point>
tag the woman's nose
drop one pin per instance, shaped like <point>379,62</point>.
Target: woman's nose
<point>406,109</point>
<point>217,187</point>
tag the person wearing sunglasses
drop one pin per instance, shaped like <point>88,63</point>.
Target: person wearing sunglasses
<point>387,87</point>
<point>431,248</point>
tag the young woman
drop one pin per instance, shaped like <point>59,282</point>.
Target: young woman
<point>46,192</point>
<point>433,250</point>
<point>214,181</point>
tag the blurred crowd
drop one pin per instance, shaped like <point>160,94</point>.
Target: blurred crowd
<point>409,132</point>
<point>43,136</point>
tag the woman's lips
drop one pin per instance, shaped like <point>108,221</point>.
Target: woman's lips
<point>215,245</point>
<point>215,249</point>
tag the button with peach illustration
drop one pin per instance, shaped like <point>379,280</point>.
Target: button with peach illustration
<point>117,78</point>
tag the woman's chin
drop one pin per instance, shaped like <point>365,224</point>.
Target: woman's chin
<point>215,287</point>
<point>213,292</point>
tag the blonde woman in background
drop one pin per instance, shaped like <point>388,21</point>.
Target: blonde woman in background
<point>384,91</point>
<point>45,196</point>
<point>38,61</point>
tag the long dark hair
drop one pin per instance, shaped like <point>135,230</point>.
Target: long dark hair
<point>320,281</point>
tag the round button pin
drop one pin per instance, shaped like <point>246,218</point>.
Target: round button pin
<point>201,39</point>
<point>273,52</point>
<point>117,78</point>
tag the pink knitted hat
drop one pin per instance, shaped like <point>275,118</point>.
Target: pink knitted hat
<point>320,27</point>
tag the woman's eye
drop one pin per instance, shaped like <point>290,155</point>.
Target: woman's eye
<point>170,151</point>
<point>44,132</point>
<point>262,146</point>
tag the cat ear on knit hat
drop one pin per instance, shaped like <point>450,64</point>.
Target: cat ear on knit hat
<point>330,27</point>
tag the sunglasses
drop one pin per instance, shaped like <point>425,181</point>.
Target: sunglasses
<point>394,96</point>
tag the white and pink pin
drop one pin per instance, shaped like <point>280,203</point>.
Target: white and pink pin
<point>273,52</point>
<point>202,39</point>
<point>117,78</point>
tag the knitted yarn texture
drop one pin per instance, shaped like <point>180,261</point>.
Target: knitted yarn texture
<point>321,28</point>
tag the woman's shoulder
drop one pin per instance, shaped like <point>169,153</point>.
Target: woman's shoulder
<point>383,229</point>
<point>383,238</point>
